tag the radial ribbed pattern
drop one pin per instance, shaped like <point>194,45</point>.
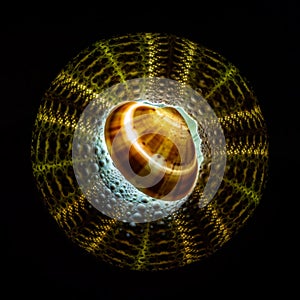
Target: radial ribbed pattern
<point>192,233</point>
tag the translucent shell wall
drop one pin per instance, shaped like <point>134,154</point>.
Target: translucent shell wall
<point>234,146</point>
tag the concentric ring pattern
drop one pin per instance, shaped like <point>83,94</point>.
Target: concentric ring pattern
<point>193,232</point>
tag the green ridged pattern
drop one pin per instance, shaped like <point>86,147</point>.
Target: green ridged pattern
<point>192,233</point>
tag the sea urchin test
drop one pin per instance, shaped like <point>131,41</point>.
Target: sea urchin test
<point>150,151</point>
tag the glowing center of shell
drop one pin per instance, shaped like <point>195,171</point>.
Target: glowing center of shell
<point>154,149</point>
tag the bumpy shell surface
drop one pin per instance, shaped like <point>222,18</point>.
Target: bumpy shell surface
<point>192,233</point>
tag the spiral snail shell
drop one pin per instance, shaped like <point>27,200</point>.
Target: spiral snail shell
<point>153,148</point>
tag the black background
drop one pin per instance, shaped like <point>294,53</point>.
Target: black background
<point>258,37</point>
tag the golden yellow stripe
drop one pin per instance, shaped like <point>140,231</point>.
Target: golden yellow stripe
<point>228,75</point>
